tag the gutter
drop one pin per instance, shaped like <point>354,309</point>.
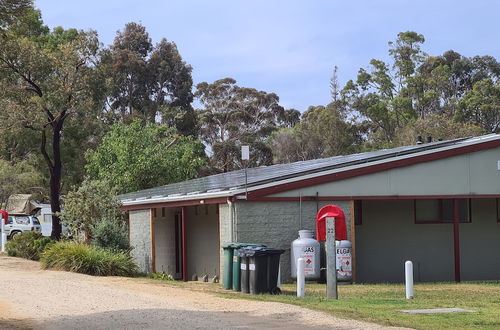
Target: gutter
<point>178,198</point>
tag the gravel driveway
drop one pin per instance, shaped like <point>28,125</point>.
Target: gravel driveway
<point>31,298</point>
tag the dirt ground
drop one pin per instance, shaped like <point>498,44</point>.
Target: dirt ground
<point>31,298</point>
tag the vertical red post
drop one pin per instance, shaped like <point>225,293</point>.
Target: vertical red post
<point>456,239</point>
<point>184,245</point>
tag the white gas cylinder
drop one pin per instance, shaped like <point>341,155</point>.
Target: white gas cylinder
<point>344,260</point>
<point>306,247</point>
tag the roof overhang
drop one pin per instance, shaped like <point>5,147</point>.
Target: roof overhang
<point>372,167</point>
<point>259,190</point>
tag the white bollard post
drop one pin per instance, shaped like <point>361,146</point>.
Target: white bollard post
<point>279,277</point>
<point>4,237</point>
<point>409,279</point>
<point>301,277</point>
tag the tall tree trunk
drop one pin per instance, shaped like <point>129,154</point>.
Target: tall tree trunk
<point>55,169</point>
<point>55,180</point>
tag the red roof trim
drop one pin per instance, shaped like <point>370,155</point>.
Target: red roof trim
<point>373,169</point>
<point>195,202</point>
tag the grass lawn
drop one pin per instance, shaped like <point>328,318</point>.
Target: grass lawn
<point>381,303</point>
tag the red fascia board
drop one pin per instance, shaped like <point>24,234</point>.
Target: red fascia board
<point>373,169</point>
<point>349,198</point>
<point>195,202</point>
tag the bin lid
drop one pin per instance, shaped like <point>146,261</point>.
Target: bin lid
<point>236,245</point>
<point>253,251</point>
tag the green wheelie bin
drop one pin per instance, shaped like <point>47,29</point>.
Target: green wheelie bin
<point>227,278</point>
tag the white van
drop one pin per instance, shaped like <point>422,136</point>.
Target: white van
<point>17,224</point>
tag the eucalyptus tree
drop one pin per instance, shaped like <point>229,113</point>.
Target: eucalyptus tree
<point>232,116</point>
<point>149,81</point>
<point>46,78</point>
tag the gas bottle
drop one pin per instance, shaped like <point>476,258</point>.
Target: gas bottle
<point>306,247</point>
<point>344,260</point>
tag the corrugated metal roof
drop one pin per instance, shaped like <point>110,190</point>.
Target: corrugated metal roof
<point>226,183</point>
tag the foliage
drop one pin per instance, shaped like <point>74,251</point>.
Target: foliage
<point>438,127</point>
<point>392,96</point>
<point>88,204</point>
<point>11,11</point>
<point>111,234</point>
<point>87,259</point>
<point>20,177</point>
<point>162,276</point>
<point>148,81</point>
<point>144,155</point>
<point>481,106</point>
<point>322,132</point>
<point>29,245</point>
<point>233,116</point>
<point>45,78</point>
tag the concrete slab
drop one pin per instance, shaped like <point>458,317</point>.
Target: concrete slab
<point>437,311</point>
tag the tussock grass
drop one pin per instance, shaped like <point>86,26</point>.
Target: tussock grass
<point>87,259</point>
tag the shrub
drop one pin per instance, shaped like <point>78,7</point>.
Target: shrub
<point>111,234</point>
<point>88,259</point>
<point>162,276</point>
<point>28,245</point>
<point>86,205</point>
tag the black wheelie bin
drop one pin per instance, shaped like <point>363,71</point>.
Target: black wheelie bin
<point>260,270</point>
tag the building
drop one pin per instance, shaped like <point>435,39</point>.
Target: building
<point>436,204</point>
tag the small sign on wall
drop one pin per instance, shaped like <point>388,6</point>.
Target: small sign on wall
<point>498,165</point>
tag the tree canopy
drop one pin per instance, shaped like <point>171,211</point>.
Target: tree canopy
<point>148,81</point>
<point>141,155</point>
<point>45,78</point>
<point>233,116</point>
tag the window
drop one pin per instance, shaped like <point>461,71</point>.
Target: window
<point>47,218</point>
<point>358,212</point>
<point>441,210</point>
<point>22,220</point>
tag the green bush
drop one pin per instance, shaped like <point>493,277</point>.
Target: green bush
<point>162,276</point>
<point>28,245</point>
<point>111,234</point>
<point>88,259</point>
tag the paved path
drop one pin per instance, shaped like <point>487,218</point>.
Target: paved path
<point>31,298</point>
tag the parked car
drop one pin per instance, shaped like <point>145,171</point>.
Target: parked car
<point>17,224</point>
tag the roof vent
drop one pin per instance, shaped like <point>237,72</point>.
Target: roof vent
<point>419,139</point>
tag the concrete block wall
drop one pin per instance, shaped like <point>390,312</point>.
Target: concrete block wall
<point>225,233</point>
<point>140,238</point>
<point>165,241</point>
<point>276,224</point>
<point>202,227</point>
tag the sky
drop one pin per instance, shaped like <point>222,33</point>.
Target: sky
<point>287,47</point>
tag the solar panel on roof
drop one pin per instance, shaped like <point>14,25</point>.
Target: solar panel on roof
<point>265,174</point>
